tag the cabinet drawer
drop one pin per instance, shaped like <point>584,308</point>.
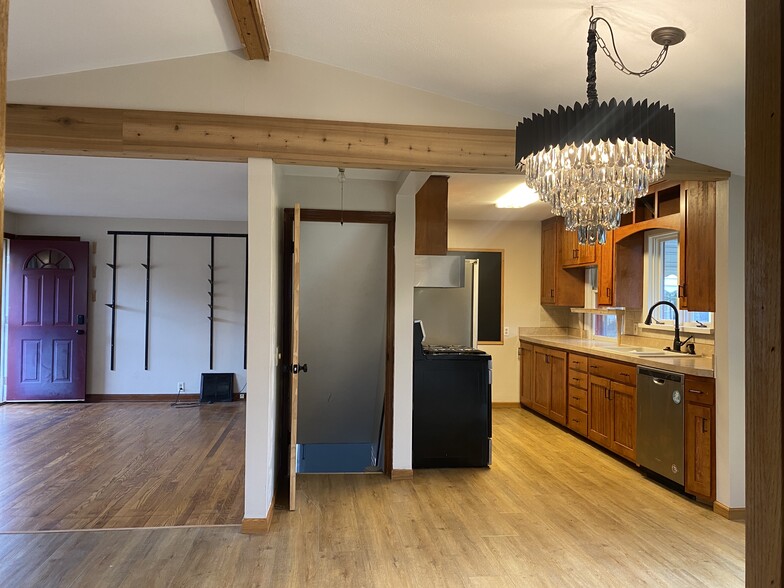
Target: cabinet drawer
<point>578,421</point>
<point>578,399</point>
<point>578,380</point>
<point>701,390</point>
<point>620,372</point>
<point>578,363</point>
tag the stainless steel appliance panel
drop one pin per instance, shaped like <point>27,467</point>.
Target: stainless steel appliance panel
<point>449,315</point>
<point>660,422</point>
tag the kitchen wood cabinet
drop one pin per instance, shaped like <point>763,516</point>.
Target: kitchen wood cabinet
<point>572,253</point>
<point>549,394</point>
<point>612,406</point>
<point>605,271</point>
<point>624,420</point>
<point>431,217</point>
<point>697,244</point>
<point>526,353</point>
<point>599,411</point>
<point>700,437</point>
<point>559,286</point>
<point>577,416</point>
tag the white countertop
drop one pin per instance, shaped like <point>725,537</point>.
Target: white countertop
<point>684,364</point>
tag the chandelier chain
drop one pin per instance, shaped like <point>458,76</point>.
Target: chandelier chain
<point>616,59</point>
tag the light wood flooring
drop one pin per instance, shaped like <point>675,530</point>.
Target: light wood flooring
<point>551,511</point>
<point>110,465</point>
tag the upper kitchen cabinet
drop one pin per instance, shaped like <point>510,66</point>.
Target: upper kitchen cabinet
<point>559,286</point>
<point>431,217</point>
<point>573,254</point>
<point>605,260</point>
<point>697,288</point>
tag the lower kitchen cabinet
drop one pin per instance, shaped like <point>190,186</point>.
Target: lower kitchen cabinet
<point>612,414</point>
<point>700,437</point>
<point>624,419</point>
<point>600,416</point>
<point>549,383</point>
<point>526,353</point>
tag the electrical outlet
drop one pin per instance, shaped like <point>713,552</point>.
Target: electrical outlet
<point>180,386</point>
<point>242,395</point>
<point>506,331</point>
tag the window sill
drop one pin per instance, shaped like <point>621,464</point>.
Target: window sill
<point>692,330</point>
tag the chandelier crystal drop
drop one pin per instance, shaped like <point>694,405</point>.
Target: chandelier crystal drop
<point>591,161</point>
<point>591,185</point>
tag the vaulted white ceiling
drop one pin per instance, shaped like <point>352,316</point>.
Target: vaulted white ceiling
<point>512,56</point>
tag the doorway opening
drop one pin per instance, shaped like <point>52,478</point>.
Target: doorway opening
<point>346,292</point>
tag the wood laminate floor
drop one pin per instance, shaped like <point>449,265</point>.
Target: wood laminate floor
<point>111,464</point>
<point>551,511</point>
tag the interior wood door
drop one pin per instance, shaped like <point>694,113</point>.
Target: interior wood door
<point>47,320</point>
<point>294,368</point>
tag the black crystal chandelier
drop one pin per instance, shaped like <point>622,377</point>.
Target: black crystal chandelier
<point>591,161</point>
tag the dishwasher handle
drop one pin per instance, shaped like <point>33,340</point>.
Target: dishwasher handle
<point>658,381</point>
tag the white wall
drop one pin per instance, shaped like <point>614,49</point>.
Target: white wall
<point>285,86</point>
<point>730,358</point>
<point>9,222</point>
<point>179,329</point>
<point>263,285</point>
<point>521,242</point>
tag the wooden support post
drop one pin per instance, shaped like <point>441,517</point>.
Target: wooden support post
<point>764,283</point>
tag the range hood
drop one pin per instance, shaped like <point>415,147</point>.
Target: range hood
<point>439,271</point>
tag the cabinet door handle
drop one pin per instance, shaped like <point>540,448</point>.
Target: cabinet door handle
<point>624,374</point>
<point>608,292</point>
<point>696,391</point>
<point>552,293</point>
<point>575,379</point>
<point>704,427</point>
<point>575,398</point>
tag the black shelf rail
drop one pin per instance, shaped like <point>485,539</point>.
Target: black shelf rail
<point>212,298</point>
<point>146,266</point>
<point>149,235</point>
<point>113,304</point>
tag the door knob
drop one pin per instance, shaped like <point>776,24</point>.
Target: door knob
<point>80,331</point>
<point>295,369</point>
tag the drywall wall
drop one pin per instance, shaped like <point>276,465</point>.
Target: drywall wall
<point>179,329</point>
<point>730,349</point>
<point>521,242</point>
<point>285,86</point>
<point>263,283</point>
<point>342,331</point>
<point>9,222</point>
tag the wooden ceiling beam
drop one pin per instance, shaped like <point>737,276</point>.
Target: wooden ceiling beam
<point>250,27</point>
<point>66,130</point>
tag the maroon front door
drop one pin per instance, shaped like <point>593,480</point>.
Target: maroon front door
<point>47,320</point>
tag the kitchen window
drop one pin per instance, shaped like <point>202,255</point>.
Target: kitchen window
<point>661,272</point>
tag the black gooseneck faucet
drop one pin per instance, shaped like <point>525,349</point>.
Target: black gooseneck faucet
<point>677,343</point>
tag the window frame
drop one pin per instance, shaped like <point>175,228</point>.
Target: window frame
<point>653,283</point>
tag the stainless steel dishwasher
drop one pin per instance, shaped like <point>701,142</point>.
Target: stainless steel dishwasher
<point>660,422</point>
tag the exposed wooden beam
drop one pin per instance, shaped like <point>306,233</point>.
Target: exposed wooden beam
<point>220,137</point>
<point>65,130</point>
<point>250,28</point>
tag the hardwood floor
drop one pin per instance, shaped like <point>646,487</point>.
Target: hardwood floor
<point>110,465</point>
<point>551,511</point>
